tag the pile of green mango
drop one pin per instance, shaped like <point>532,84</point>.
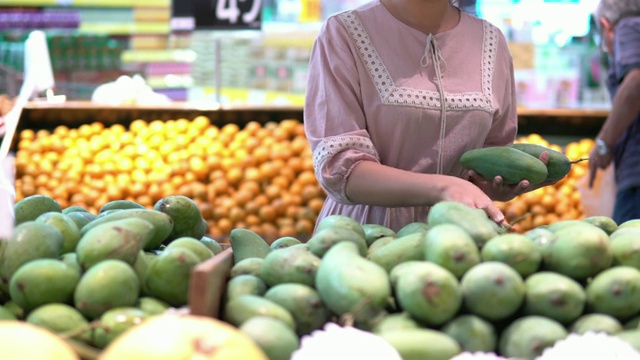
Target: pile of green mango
<point>90,277</point>
<point>455,283</point>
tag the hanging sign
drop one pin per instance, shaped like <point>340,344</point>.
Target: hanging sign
<point>220,14</point>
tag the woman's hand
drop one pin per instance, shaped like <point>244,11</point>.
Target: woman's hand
<point>497,190</point>
<point>465,192</point>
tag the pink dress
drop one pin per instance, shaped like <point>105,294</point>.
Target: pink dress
<point>379,90</point>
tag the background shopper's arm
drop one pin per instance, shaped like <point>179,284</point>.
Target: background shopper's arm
<point>624,110</point>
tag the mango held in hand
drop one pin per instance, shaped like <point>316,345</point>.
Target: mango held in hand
<point>511,164</point>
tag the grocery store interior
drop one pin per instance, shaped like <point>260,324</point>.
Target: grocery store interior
<point>108,105</point>
<point>114,62</point>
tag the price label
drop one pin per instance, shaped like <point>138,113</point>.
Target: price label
<point>221,14</point>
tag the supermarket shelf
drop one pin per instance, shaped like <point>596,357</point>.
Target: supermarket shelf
<point>158,56</point>
<point>86,3</point>
<point>111,28</point>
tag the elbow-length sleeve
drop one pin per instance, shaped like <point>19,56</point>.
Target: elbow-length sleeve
<point>504,126</point>
<point>334,119</point>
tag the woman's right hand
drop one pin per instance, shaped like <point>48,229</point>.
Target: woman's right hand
<point>465,192</point>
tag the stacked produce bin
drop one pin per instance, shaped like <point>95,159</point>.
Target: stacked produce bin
<point>211,213</point>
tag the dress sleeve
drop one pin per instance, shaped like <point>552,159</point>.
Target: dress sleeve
<point>627,47</point>
<point>504,126</point>
<point>334,120</point>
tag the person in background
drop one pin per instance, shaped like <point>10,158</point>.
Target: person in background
<point>397,91</point>
<point>618,142</point>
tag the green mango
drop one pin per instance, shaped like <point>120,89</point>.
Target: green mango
<point>274,337</point>
<point>162,223</point>
<point>30,241</point>
<point>402,249</point>
<point>115,322</point>
<point>493,290</point>
<point>68,228</point>
<point>120,205</point>
<point>559,225</point>
<point>109,284</point>
<point>169,274</point>
<point>631,337</point>
<point>242,308</point>
<point>141,267</point>
<point>120,239</point>
<point>6,314</point>
<point>603,222</point>
<point>294,264</point>
<point>244,284</point>
<point>195,245</point>
<point>410,228</point>
<point>578,251</point>
<point>247,244</point>
<point>595,322</point>
<point>43,281</point>
<point>629,224</point>
<point>528,337</point>
<point>379,244</point>
<point>62,319</point>
<point>474,221</point>
<point>303,303</point>
<point>250,266</point>
<point>421,344</point>
<point>473,333</point>
<point>30,207</point>
<point>71,259</point>
<point>515,250</point>
<point>81,218</point>
<point>540,237</point>
<point>350,284</point>
<point>625,246</point>
<point>373,232</point>
<point>615,291</point>
<point>74,208</point>
<point>187,219</point>
<point>429,292</point>
<point>451,247</point>
<point>15,309</point>
<point>323,239</point>
<point>152,306</point>
<point>337,220</point>
<point>394,322</point>
<point>284,242</point>
<point>555,296</point>
<point>211,244</point>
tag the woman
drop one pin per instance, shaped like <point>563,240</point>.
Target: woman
<point>398,90</point>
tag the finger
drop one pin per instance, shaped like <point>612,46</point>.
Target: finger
<point>544,157</point>
<point>592,177</point>
<point>494,213</point>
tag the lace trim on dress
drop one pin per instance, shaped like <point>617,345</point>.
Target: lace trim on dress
<point>394,95</point>
<point>331,146</point>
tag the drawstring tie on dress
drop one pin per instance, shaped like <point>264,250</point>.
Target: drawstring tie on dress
<point>432,52</point>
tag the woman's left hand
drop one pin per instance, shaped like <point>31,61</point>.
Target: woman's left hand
<point>497,190</point>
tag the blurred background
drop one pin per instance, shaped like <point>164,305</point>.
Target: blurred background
<point>257,52</point>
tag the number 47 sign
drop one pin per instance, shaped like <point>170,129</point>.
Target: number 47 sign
<point>227,14</point>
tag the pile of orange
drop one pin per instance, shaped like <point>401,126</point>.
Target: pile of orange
<point>549,204</point>
<point>259,176</point>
